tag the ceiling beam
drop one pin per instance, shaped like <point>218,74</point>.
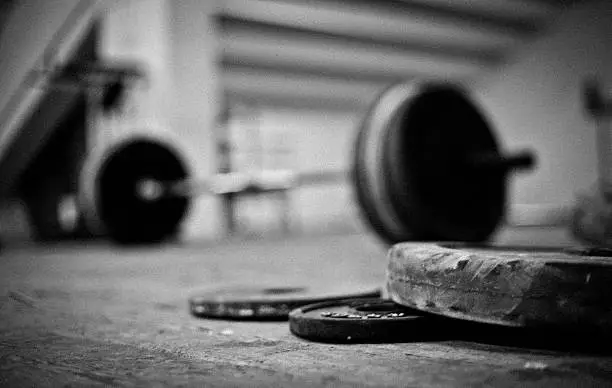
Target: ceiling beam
<point>512,16</point>
<point>517,10</point>
<point>382,24</point>
<point>240,45</point>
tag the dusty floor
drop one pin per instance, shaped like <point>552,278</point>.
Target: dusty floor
<point>99,315</point>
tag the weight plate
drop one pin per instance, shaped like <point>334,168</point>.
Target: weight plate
<point>360,321</point>
<point>363,198</point>
<point>431,159</point>
<point>263,303</point>
<point>369,176</point>
<point>126,215</point>
<point>510,286</point>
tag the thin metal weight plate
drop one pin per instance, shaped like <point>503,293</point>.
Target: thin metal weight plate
<point>372,320</point>
<point>263,303</point>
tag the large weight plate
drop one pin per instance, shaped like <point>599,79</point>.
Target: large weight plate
<point>264,303</point>
<point>430,158</point>
<point>416,173</point>
<point>509,286</point>
<point>126,216</point>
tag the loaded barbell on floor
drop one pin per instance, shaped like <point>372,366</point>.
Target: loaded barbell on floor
<point>426,167</point>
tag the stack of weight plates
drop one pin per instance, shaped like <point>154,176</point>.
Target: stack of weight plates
<point>261,303</point>
<point>519,296</point>
<point>524,296</point>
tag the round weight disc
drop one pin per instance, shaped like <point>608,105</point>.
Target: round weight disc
<point>431,159</point>
<point>359,321</point>
<point>264,303</point>
<point>510,286</point>
<point>369,176</point>
<point>125,214</point>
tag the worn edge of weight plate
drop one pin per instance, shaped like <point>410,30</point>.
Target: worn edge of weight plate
<point>377,213</point>
<point>265,307</point>
<point>418,276</point>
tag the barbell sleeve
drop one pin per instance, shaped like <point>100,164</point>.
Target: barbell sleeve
<point>522,160</point>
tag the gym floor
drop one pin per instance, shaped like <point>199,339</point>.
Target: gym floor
<point>100,315</point>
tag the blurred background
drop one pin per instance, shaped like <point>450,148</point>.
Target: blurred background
<point>280,87</point>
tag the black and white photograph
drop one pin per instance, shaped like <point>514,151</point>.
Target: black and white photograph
<point>306,193</point>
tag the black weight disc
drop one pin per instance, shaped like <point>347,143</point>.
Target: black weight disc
<point>126,215</point>
<point>361,321</point>
<point>433,179</point>
<point>264,303</point>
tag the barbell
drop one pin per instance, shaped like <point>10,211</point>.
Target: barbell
<point>139,189</point>
<point>425,166</point>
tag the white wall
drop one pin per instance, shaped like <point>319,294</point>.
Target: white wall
<point>136,31</point>
<point>320,141</point>
<point>195,99</point>
<point>536,102</point>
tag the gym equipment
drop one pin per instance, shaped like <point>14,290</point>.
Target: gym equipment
<point>138,190</point>
<point>106,194</point>
<point>427,167</point>
<point>264,303</point>
<point>130,213</point>
<point>360,321</point>
<point>510,286</point>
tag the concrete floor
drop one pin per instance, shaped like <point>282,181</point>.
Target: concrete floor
<point>100,315</point>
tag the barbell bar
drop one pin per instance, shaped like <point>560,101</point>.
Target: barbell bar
<point>228,183</point>
<point>150,189</point>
